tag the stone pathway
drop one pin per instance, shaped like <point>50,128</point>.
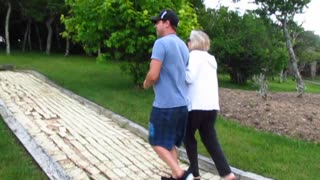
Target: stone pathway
<point>79,141</point>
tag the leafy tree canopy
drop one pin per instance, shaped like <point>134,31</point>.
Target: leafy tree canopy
<point>122,28</point>
<point>307,47</point>
<point>244,45</point>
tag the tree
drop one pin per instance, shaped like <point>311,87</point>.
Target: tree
<point>278,55</point>
<point>198,5</point>
<point>31,12</point>
<point>136,33</point>
<point>37,12</point>
<point>307,48</point>
<point>52,10</point>
<point>122,29</point>
<point>244,45</point>
<point>8,3</point>
<point>285,10</point>
<point>87,24</point>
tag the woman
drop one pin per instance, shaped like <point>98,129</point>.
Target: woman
<point>201,77</point>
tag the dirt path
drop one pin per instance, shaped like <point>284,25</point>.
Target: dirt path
<point>282,113</point>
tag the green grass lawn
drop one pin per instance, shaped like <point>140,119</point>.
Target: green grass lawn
<point>274,85</point>
<point>247,149</point>
<point>15,162</point>
<point>268,154</point>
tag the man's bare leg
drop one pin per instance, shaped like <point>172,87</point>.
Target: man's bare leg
<point>170,158</point>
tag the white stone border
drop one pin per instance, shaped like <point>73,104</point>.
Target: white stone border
<point>52,169</point>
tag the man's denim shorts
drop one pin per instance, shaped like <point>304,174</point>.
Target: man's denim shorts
<point>167,126</point>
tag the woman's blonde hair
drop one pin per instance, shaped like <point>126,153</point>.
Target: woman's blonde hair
<point>199,41</point>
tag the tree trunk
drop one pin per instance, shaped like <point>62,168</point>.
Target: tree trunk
<point>7,29</point>
<point>38,36</point>
<point>238,77</point>
<point>25,39</point>
<point>313,69</point>
<point>293,60</point>
<point>99,50</point>
<point>26,36</point>
<point>29,35</point>
<point>281,76</point>
<point>67,47</point>
<point>49,38</point>
<point>261,81</point>
<point>58,36</point>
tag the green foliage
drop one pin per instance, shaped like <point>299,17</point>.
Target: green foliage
<point>307,47</point>
<point>282,9</point>
<point>84,23</point>
<point>278,53</point>
<point>244,45</point>
<point>33,9</point>
<point>188,21</point>
<point>136,70</point>
<point>39,10</point>
<point>269,155</point>
<point>198,4</point>
<point>285,11</point>
<point>123,28</point>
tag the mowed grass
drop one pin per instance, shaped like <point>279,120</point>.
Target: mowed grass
<point>273,85</point>
<point>245,148</point>
<point>268,154</point>
<point>15,162</point>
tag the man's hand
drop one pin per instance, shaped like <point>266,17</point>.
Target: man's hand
<point>145,85</point>
<point>153,74</point>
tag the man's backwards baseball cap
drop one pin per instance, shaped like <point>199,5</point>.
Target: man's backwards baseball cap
<point>167,15</point>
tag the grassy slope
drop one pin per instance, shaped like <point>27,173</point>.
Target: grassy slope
<point>245,148</point>
<point>14,160</point>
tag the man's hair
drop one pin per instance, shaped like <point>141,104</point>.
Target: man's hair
<point>199,41</point>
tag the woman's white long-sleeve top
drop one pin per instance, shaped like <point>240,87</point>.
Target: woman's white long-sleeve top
<point>201,77</point>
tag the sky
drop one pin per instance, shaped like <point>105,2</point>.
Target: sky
<point>308,19</point>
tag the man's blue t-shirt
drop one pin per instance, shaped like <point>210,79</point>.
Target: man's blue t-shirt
<point>170,89</point>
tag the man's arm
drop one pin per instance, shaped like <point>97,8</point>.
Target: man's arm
<point>153,73</point>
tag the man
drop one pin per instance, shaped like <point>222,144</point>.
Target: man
<point>169,113</point>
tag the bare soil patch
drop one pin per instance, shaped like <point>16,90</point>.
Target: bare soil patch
<point>282,113</point>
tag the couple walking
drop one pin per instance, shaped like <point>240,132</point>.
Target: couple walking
<point>185,84</point>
